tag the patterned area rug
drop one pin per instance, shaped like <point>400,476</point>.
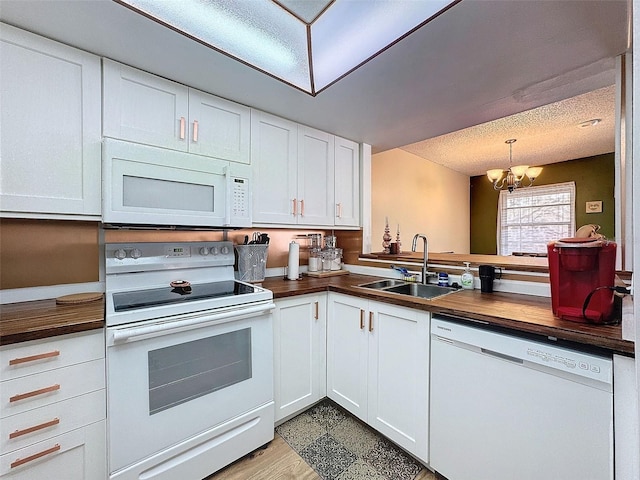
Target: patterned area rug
<point>339,447</point>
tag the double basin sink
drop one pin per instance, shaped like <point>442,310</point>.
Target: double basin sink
<point>410,289</point>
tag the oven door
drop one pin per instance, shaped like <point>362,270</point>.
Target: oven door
<point>168,381</point>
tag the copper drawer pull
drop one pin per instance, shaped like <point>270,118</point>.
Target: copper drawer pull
<point>22,461</point>
<point>317,313</point>
<point>371,321</point>
<point>33,358</point>
<point>22,396</point>
<point>361,319</point>
<point>35,428</point>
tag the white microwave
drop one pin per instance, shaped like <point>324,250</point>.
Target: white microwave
<point>143,185</point>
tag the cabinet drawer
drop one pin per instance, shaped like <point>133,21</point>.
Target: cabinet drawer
<point>45,422</point>
<point>64,456</point>
<point>38,356</point>
<point>26,393</point>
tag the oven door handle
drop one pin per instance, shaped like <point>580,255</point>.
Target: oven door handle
<point>132,334</point>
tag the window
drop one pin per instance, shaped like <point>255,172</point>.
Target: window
<point>529,218</point>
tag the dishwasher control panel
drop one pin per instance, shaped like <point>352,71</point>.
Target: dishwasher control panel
<point>521,350</point>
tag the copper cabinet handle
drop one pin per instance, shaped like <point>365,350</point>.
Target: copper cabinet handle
<point>302,208</point>
<point>34,393</point>
<point>361,319</point>
<point>195,130</point>
<point>33,358</point>
<point>35,428</point>
<point>182,121</point>
<point>371,321</point>
<point>22,461</point>
<point>317,313</point>
<point>339,210</point>
<point>295,207</point>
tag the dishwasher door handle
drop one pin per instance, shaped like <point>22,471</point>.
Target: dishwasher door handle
<point>502,356</point>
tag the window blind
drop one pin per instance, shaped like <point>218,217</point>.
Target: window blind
<point>529,218</point>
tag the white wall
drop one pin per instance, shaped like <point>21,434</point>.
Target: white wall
<point>422,197</point>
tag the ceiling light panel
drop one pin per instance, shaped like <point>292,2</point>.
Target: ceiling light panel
<point>259,33</point>
<point>352,31</point>
<point>273,36</point>
<point>305,10</point>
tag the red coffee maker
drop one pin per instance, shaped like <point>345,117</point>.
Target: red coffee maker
<point>579,267</point>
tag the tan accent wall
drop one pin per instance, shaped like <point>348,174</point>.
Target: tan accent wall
<point>35,253</point>
<point>421,197</point>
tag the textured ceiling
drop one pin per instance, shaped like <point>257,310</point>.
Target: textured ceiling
<point>544,135</point>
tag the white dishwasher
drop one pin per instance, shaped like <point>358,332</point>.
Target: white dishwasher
<point>505,407</point>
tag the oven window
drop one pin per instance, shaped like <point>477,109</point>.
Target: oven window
<point>183,372</point>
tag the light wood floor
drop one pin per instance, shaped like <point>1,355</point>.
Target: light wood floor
<point>277,462</point>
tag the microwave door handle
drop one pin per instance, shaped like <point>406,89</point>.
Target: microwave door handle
<point>132,334</point>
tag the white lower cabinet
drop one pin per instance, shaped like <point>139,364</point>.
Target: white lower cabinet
<point>299,325</point>
<point>378,367</point>
<point>52,420</point>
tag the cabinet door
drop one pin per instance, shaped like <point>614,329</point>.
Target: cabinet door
<point>218,128</point>
<point>49,126</point>
<point>399,376</point>
<point>144,108</point>
<point>299,353</point>
<point>274,165</point>
<point>316,177</point>
<point>347,189</point>
<point>347,350</point>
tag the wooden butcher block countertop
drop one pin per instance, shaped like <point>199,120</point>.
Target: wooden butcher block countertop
<point>25,321</point>
<point>20,322</point>
<point>520,313</point>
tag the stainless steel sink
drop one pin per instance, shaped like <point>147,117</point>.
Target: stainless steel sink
<point>380,284</point>
<point>410,289</point>
<point>421,290</point>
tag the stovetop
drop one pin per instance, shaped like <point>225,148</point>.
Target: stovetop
<point>137,299</point>
<point>150,281</point>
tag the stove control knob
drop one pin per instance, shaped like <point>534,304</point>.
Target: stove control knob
<point>136,253</point>
<point>204,251</point>
<point>214,250</point>
<point>224,250</point>
<point>121,254</point>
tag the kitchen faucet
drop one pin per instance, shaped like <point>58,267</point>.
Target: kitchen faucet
<point>425,254</point>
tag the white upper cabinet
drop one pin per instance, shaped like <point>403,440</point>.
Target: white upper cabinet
<point>347,187</point>
<point>300,173</point>
<point>49,128</point>
<point>274,153</point>
<point>219,128</point>
<point>144,108</point>
<point>315,177</point>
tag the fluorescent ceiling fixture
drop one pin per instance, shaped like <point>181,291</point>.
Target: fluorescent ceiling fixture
<point>308,44</point>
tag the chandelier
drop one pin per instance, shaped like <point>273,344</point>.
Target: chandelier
<point>515,175</point>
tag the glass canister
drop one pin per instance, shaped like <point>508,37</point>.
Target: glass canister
<point>315,259</point>
<point>336,261</point>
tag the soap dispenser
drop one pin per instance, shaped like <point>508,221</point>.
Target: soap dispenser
<point>467,277</point>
